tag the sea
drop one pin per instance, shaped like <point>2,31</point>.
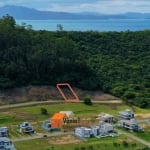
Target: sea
<point>101,25</point>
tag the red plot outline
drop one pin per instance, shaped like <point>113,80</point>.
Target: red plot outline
<point>59,85</point>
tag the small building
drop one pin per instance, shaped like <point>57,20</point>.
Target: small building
<point>95,130</point>
<point>46,125</point>
<point>105,117</point>
<point>68,113</point>
<point>131,124</point>
<point>6,144</point>
<point>126,114</point>
<point>4,132</point>
<point>57,120</point>
<point>25,127</point>
<point>83,132</point>
<point>105,128</point>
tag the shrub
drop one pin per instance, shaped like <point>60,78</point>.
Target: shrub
<point>87,101</point>
<point>125,143</point>
<point>44,111</point>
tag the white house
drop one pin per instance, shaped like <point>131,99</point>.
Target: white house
<point>131,124</point>
<point>83,132</point>
<point>105,128</point>
<point>4,132</point>
<point>46,125</point>
<point>25,127</point>
<point>105,117</point>
<point>126,114</point>
<point>95,130</point>
<point>6,144</point>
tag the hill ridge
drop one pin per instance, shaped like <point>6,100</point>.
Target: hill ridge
<point>21,12</point>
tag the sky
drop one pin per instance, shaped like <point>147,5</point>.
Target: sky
<point>98,6</point>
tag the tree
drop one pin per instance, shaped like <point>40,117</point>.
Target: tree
<point>87,101</point>
<point>59,27</point>
<point>44,111</point>
<point>125,143</point>
<point>7,22</point>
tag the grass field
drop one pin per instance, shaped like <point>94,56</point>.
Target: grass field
<point>117,143</point>
<point>144,135</point>
<point>33,113</point>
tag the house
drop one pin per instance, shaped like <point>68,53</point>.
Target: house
<point>83,132</point>
<point>68,113</point>
<point>25,127</point>
<point>131,124</point>
<point>126,114</point>
<point>6,144</point>
<point>46,125</point>
<point>95,130</point>
<point>4,132</point>
<point>105,117</point>
<point>105,128</point>
<point>57,120</point>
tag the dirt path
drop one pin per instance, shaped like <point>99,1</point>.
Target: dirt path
<point>135,137</point>
<point>55,101</point>
<point>41,135</point>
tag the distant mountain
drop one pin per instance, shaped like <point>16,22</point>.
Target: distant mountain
<point>20,12</point>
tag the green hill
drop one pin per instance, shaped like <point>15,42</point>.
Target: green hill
<point>115,62</point>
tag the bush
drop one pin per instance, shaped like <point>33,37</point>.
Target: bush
<point>87,101</point>
<point>44,111</point>
<point>125,143</point>
<point>115,144</point>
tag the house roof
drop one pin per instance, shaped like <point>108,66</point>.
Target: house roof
<point>132,121</point>
<point>59,116</point>
<point>126,112</point>
<point>105,115</point>
<point>4,139</point>
<point>3,129</point>
<point>68,113</point>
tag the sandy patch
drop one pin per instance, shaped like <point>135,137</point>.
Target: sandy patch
<point>143,116</point>
<point>68,139</point>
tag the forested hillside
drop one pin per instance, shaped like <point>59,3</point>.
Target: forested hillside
<point>116,62</point>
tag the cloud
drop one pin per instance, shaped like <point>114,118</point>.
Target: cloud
<point>101,6</point>
<point>105,6</point>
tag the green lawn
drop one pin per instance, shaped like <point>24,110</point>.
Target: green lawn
<point>144,135</point>
<point>8,119</point>
<point>109,143</point>
<point>77,108</point>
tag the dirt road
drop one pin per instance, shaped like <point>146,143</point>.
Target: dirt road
<point>134,137</point>
<point>41,135</point>
<point>55,101</point>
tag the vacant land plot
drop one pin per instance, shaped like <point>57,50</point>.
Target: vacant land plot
<point>117,143</point>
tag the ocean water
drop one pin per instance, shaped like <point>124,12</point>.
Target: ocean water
<point>87,25</point>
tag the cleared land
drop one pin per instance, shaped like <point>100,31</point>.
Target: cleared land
<point>43,93</point>
<point>117,143</point>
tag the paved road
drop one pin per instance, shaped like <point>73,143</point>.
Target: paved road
<point>135,137</point>
<point>55,101</point>
<point>41,135</point>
